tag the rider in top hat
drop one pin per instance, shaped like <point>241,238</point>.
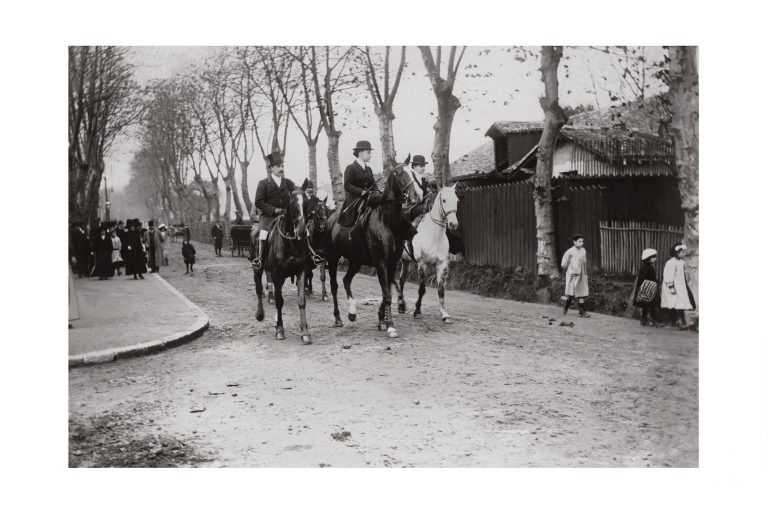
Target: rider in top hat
<point>358,184</point>
<point>309,193</point>
<point>273,195</point>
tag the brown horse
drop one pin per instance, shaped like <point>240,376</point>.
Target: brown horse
<point>376,240</point>
<point>318,223</point>
<point>286,255</point>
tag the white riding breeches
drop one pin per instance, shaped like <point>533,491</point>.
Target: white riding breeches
<point>263,234</point>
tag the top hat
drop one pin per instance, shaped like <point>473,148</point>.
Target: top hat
<point>418,160</point>
<point>274,159</point>
<point>363,145</point>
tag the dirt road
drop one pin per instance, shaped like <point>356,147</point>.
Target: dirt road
<point>501,387</point>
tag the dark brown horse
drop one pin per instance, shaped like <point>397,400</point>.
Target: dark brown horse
<point>286,255</point>
<point>316,227</point>
<point>375,240</point>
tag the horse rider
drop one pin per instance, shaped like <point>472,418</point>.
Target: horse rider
<point>359,185</point>
<point>311,199</point>
<point>273,196</point>
<point>418,166</point>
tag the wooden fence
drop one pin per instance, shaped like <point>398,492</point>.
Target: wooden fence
<point>498,225</point>
<point>622,243</point>
<point>579,209</point>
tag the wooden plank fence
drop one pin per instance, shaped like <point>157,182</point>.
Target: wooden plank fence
<point>498,225</point>
<point>622,243</point>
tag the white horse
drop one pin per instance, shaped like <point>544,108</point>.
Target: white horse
<point>430,249</point>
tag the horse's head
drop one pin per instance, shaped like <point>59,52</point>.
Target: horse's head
<point>320,215</point>
<point>405,184</point>
<point>295,214</point>
<point>448,205</point>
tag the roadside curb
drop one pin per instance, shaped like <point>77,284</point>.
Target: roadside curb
<point>150,347</point>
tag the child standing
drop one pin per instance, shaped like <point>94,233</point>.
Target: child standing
<point>647,288</point>
<point>575,265</point>
<point>188,251</point>
<point>675,294</point>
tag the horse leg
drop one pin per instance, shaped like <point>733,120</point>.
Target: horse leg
<point>259,294</point>
<point>324,297</point>
<point>305,339</point>
<point>332,266</point>
<point>422,290</point>
<point>279,330</point>
<point>353,269</point>
<point>383,273</point>
<point>308,283</point>
<point>270,287</point>
<point>442,274</point>
<point>401,286</point>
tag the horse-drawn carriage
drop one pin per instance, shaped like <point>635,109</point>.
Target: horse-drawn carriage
<point>240,239</point>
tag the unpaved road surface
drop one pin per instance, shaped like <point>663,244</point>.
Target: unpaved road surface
<point>501,387</point>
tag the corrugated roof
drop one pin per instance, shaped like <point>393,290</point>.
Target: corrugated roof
<point>478,161</point>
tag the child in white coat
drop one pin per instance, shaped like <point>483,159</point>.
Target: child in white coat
<point>676,296</point>
<point>575,265</point>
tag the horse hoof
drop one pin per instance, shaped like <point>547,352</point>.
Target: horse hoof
<point>325,298</point>
<point>260,316</point>
<point>392,334</point>
<point>352,317</point>
<point>382,326</point>
<point>417,315</point>
<point>447,320</point>
<point>279,335</point>
<point>305,339</point>
<point>401,308</point>
<point>338,323</point>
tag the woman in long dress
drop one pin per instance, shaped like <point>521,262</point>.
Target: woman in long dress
<point>676,296</point>
<point>102,249</point>
<point>165,245</point>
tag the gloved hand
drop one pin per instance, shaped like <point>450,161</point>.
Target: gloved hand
<point>278,211</point>
<point>375,198</point>
<point>365,193</point>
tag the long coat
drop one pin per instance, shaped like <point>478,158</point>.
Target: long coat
<point>269,196</point>
<point>135,261</point>
<point>575,265</point>
<point>217,233</point>
<point>356,181</point>
<point>82,251</point>
<point>102,249</point>
<point>674,276</point>
<point>156,258</point>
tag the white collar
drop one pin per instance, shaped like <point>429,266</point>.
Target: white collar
<point>276,179</point>
<point>360,162</point>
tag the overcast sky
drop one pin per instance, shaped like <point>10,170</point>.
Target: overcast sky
<point>511,93</point>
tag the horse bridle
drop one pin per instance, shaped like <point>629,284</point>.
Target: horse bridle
<point>443,214</point>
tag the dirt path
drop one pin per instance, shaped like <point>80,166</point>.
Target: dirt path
<point>499,387</point>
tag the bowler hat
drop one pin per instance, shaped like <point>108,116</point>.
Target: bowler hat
<point>363,145</point>
<point>418,160</point>
<point>274,159</point>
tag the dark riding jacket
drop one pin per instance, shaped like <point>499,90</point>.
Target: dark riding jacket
<point>356,181</point>
<point>269,196</point>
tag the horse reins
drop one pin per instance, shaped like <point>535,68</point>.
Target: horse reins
<point>443,214</point>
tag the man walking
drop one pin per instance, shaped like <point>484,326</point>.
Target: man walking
<point>154,245</point>
<point>217,233</point>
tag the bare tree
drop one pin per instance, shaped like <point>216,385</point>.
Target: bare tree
<point>447,105</point>
<point>383,92</point>
<point>329,70</point>
<point>684,97</point>
<point>554,120</point>
<point>103,101</point>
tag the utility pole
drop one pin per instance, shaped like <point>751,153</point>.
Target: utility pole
<point>106,201</point>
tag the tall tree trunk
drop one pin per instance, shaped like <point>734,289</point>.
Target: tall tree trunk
<point>216,213</point>
<point>244,186</point>
<point>554,119</point>
<point>386,134</point>
<point>684,95</point>
<point>233,185</point>
<point>312,149</point>
<point>227,197</point>
<point>447,105</point>
<point>334,168</point>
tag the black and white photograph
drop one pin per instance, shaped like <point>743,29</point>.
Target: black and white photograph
<point>398,256</point>
<point>359,256</point>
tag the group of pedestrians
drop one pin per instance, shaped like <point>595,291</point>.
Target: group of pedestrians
<point>129,246</point>
<point>671,295</point>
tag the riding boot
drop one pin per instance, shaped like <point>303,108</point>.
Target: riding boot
<point>256,263</point>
